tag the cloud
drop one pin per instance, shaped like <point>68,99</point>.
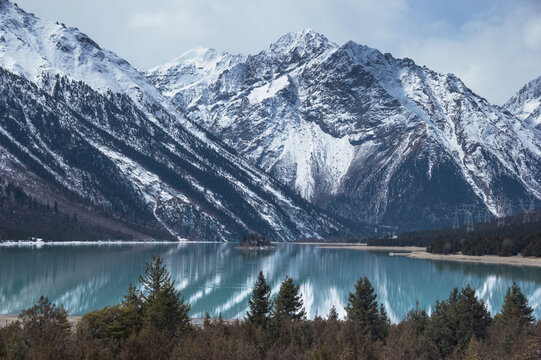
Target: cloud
<point>493,45</point>
<point>495,54</point>
<point>532,34</point>
<point>143,20</point>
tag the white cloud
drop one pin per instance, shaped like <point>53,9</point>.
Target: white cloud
<point>142,20</point>
<point>494,46</point>
<point>532,33</point>
<point>494,55</point>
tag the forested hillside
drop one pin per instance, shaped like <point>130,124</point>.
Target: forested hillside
<point>513,235</point>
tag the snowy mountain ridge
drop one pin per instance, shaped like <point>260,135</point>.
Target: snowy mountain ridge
<point>526,104</point>
<point>92,127</point>
<point>35,48</point>
<point>342,125</point>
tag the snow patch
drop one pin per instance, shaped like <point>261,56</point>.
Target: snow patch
<point>268,90</point>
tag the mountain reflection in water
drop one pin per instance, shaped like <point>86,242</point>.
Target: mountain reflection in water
<point>217,278</point>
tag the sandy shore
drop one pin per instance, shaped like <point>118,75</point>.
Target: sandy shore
<point>328,244</point>
<point>421,253</point>
<point>370,248</point>
<point>487,259</point>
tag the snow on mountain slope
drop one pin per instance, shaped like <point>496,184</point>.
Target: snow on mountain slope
<point>32,47</point>
<point>105,150</point>
<point>192,72</point>
<point>459,120</point>
<point>526,104</point>
<point>364,134</point>
<point>129,152</point>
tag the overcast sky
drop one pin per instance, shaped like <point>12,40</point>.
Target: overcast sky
<point>494,46</point>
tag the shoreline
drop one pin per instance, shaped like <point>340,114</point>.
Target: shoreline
<point>29,243</point>
<point>364,247</point>
<point>327,243</point>
<point>415,252</point>
<point>485,259</point>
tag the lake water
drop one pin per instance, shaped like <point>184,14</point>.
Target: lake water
<point>218,278</point>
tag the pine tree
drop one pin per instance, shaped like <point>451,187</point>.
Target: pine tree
<point>473,317</point>
<point>132,307</point>
<point>42,317</point>
<point>333,314</point>
<point>132,297</point>
<point>207,321</point>
<point>417,320</point>
<point>454,322</point>
<point>260,305</point>
<point>288,304</point>
<point>163,308</point>
<point>362,308</point>
<point>515,306</point>
<point>440,328</point>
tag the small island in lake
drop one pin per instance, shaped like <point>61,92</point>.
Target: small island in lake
<point>255,242</point>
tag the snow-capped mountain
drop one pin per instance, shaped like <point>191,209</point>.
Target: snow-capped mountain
<point>35,48</point>
<point>369,136</point>
<point>81,122</point>
<point>197,69</point>
<point>526,104</point>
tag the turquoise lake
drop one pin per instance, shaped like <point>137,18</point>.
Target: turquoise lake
<point>218,278</point>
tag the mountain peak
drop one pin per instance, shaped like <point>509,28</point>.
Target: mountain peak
<point>34,48</point>
<point>306,42</point>
<point>526,104</point>
<point>196,53</point>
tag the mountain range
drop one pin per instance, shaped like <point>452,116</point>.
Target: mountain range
<point>304,139</point>
<point>526,104</point>
<point>82,127</point>
<point>361,133</point>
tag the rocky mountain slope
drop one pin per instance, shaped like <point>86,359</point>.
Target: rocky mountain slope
<point>366,135</point>
<point>93,133</point>
<point>526,104</point>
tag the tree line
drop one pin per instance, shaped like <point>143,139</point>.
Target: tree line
<point>152,322</point>
<point>515,238</point>
<point>24,216</point>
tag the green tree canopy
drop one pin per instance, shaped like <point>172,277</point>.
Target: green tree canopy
<point>44,332</point>
<point>260,304</point>
<point>454,322</point>
<point>515,306</point>
<point>288,304</point>
<point>333,314</point>
<point>363,309</point>
<point>162,305</point>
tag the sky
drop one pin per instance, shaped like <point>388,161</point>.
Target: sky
<point>494,46</point>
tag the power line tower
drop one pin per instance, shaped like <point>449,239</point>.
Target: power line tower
<point>456,220</point>
<point>487,216</point>
<point>526,213</point>
<point>503,211</point>
<point>480,216</point>
<point>468,216</point>
<point>531,207</point>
